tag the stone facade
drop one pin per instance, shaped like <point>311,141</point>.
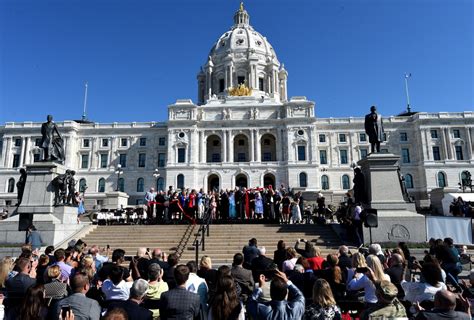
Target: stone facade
<point>225,140</point>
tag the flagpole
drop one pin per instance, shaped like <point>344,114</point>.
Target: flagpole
<point>84,114</point>
<point>407,75</point>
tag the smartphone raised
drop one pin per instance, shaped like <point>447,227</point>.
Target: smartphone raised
<point>65,311</point>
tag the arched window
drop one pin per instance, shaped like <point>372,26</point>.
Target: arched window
<point>465,177</point>
<point>101,185</point>
<point>303,180</point>
<point>140,185</point>
<point>121,185</point>
<point>160,184</point>
<point>180,181</point>
<point>408,181</point>
<point>82,185</point>
<point>346,185</point>
<point>11,185</point>
<point>324,182</point>
<point>441,179</point>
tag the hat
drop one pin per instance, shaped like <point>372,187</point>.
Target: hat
<point>386,290</point>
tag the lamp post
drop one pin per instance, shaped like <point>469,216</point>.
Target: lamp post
<point>119,171</point>
<point>156,175</point>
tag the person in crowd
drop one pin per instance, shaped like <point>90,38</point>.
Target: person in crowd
<point>261,263</point>
<point>418,291</point>
<point>98,258</point>
<point>80,205</point>
<point>160,258</point>
<point>362,281</point>
<point>178,303</point>
<point>242,276</point>
<point>290,262</point>
<point>324,305</point>
<point>118,258</point>
<point>156,287</point>
<point>87,266</point>
<point>315,259</point>
<point>376,249</point>
<point>250,252</point>
<point>115,314</point>
<point>197,285</point>
<point>115,288</point>
<point>280,254</point>
<point>388,306</point>
<point>207,272</point>
<point>132,305</point>
<point>303,277</point>
<point>357,261</point>
<point>34,305</point>
<point>444,308</point>
<point>258,206</point>
<point>295,213</point>
<point>345,262</point>
<point>333,275</point>
<point>307,247</point>
<point>34,238</point>
<point>17,286</point>
<point>225,303</point>
<point>139,264</point>
<point>279,307</point>
<point>168,276</point>
<point>66,269</point>
<point>55,288</point>
<point>286,207</point>
<point>396,271</point>
<point>83,308</point>
<point>448,259</point>
<point>43,263</point>
<point>6,267</point>
<point>232,207</point>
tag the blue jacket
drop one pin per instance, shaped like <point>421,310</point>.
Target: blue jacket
<point>281,310</point>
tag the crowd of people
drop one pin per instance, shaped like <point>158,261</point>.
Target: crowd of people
<point>293,282</point>
<point>275,206</point>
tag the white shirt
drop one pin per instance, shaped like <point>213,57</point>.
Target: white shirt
<point>363,282</point>
<point>116,292</point>
<point>420,291</point>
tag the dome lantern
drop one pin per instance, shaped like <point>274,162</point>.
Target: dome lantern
<point>241,17</point>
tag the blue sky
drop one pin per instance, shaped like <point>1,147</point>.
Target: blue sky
<point>140,56</point>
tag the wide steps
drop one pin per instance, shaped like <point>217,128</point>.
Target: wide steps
<point>224,241</point>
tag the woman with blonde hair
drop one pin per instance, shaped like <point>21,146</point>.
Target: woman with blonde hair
<point>205,271</point>
<point>6,267</point>
<point>55,289</point>
<point>362,280</point>
<point>324,306</point>
<point>289,263</point>
<point>357,261</point>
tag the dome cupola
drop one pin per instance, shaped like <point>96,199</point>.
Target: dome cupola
<point>241,57</point>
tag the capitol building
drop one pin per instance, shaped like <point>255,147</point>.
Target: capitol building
<point>243,130</point>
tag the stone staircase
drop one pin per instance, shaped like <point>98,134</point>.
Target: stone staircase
<point>224,241</point>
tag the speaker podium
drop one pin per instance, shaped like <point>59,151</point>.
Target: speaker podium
<point>54,223</point>
<point>397,219</point>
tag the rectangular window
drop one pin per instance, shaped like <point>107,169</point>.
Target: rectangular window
<point>86,143</point>
<point>267,156</point>
<point>301,153</point>
<point>161,159</point>
<point>362,137</point>
<point>221,85</point>
<point>16,160</point>
<point>216,157</point>
<point>260,84</point>
<point>456,133</point>
<point>436,154</point>
<point>342,138</point>
<point>363,153</point>
<point>18,142</point>
<point>141,160</point>
<point>459,155</point>
<point>161,141</point>
<point>405,155</point>
<point>123,160</point>
<point>142,142</point>
<point>104,160</point>
<point>123,142</point>
<point>84,161</point>
<point>343,154</point>
<point>403,137</point>
<point>181,155</point>
<point>240,80</point>
<point>105,142</point>
<point>322,138</point>
<point>323,158</point>
<point>37,142</point>
<point>36,157</point>
<point>434,134</point>
<point>241,157</point>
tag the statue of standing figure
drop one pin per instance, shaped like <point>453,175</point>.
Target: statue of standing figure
<point>71,186</point>
<point>52,142</point>
<point>374,129</point>
<point>360,194</point>
<point>20,186</point>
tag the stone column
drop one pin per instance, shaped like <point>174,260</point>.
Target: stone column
<point>427,144</point>
<point>226,75</point>
<point>445,143</point>
<point>469,143</point>
<point>258,147</point>
<point>448,144</point>
<point>224,146</point>
<point>26,153</point>
<point>252,146</point>
<point>190,147</point>
<point>7,153</point>
<point>279,145</point>
<point>231,146</point>
<point>200,146</point>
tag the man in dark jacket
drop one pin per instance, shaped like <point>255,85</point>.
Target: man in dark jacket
<point>132,305</point>
<point>444,305</point>
<point>242,276</point>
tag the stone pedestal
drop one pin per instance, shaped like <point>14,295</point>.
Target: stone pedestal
<point>116,199</point>
<point>397,219</point>
<point>54,223</point>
